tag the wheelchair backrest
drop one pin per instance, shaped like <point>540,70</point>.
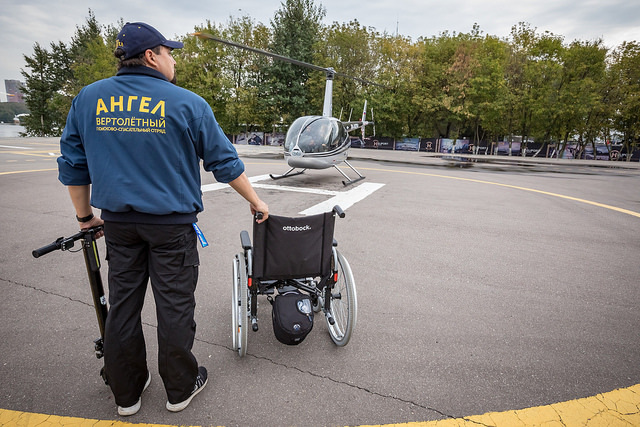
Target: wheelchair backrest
<point>291,248</point>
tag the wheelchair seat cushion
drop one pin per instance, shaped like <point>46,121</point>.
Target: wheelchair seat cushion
<point>291,248</point>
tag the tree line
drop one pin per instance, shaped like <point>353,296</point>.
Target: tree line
<point>8,110</point>
<point>455,85</point>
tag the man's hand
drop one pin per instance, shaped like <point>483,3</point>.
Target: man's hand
<point>93,222</point>
<point>80,197</point>
<point>261,207</point>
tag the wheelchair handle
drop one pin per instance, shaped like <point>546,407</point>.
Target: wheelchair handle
<point>336,209</point>
<point>63,243</point>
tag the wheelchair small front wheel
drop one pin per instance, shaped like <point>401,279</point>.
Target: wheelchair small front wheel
<point>240,305</point>
<point>344,304</point>
<point>318,304</point>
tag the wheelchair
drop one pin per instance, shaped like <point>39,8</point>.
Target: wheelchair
<point>293,253</point>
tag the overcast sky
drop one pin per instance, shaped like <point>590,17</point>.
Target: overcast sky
<point>25,22</point>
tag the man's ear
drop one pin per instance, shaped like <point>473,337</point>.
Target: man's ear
<point>149,57</point>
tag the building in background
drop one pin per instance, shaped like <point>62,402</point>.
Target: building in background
<point>14,91</point>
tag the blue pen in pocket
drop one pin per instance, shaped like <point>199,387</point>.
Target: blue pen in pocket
<point>203,241</point>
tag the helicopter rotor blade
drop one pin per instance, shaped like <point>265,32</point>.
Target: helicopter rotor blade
<point>262,52</point>
<point>330,71</point>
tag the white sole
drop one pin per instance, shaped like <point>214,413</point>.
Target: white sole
<point>132,410</point>
<point>177,407</point>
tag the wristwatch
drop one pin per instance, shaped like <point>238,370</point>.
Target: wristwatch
<point>85,218</point>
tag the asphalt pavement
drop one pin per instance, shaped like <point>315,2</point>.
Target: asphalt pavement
<point>492,290</point>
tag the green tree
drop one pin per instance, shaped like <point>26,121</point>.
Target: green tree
<point>47,76</point>
<point>348,49</point>
<point>625,72</point>
<point>398,62</point>
<point>242,73</point>
<point>8,110</point>
<point>531,85</point>
<point>92,51</point>
<point>544,72</point>
<point>295,29</point>
<point>580,108</point>
<point>92,54</point>
<point>58,74</point>
<point>199,68</point>
<point>488,92</point>
<point>91,59</point>
<point>443,63</point>
<point>534,71</point>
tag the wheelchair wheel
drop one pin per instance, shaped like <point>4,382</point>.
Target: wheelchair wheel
<point>344,304</point>
<point>240,305</point>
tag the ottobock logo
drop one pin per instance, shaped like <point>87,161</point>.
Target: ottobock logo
<point>296,228</point>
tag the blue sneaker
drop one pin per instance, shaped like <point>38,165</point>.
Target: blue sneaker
<point>132,410</point>
<point>201,381</point>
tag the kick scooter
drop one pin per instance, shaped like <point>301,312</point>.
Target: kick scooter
<point>92,262</point>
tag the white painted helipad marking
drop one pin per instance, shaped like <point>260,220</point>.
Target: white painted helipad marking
<point>259,178</point>
<point>345,199</point>
<point>17,148</point>
<point>297,189</point>
<point>213,187</point>
<point>220,186</point>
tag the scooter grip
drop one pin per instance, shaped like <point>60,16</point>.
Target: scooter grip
<point>46,249</point>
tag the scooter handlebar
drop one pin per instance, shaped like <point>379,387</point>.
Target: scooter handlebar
<point>46,249</point>
<point>64,243</point>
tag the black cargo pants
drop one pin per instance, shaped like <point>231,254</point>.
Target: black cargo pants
<point>166,254</point>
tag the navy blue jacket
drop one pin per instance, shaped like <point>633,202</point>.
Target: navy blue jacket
<point>138,140</point>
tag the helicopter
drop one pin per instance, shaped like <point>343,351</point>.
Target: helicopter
<point>317,141</point>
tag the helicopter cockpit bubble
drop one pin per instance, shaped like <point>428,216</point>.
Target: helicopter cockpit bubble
<point>315,134</point>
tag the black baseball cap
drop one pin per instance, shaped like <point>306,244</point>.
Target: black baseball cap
<point>137,37</point>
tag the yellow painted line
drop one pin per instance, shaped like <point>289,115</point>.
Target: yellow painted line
<point>27,419</point>
<point>620,407</point>
<point>28,171</point>
<point>46,154</point>
<point>39,153</point>
<point>616,408</point>
<point>532,190</point>
<point>30,150</point>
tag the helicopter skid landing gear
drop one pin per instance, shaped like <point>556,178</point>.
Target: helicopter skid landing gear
<point>287,174</point>
<point>350,181</point>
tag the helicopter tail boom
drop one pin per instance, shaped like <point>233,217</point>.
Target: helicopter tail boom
<point>360,124</point>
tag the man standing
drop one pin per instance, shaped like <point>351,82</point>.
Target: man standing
<point>132,147</point>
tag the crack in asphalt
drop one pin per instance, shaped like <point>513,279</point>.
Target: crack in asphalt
<point>267,359</point>
<point>45,291</point>
<point>613,406</point>
<point>328,378</point>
